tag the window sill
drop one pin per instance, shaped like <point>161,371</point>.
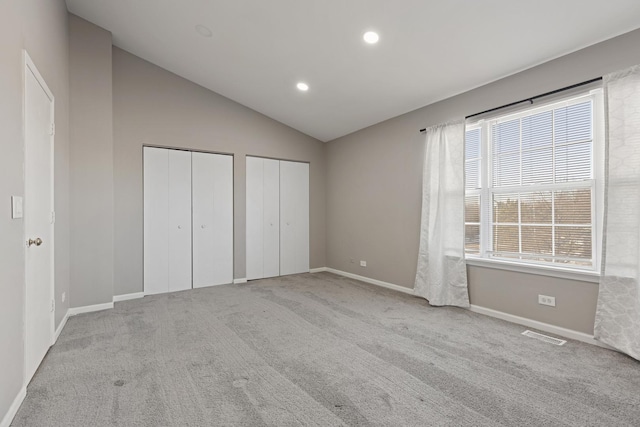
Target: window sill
<point>540,270</point>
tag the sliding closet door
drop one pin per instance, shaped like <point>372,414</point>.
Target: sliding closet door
<point>212,192</point>
<point>179,220</point>
<point>255,214</point>
<point>263,212</point>
<point>271,218</point>
<point>156,220</point>
<point>167,220</point>
<point>294,217</point>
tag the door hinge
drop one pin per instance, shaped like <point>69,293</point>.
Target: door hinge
<point>53,305</point>
<point>53,217</point>
<point>53,129</point>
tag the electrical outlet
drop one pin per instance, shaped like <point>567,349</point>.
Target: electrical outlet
<point>363,263</point>
<point>547,300</point>
<point>64,296</point>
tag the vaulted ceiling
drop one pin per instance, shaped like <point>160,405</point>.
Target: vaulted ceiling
<point>256,51</point>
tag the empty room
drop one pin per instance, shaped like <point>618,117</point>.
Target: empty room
<point>332,213</point>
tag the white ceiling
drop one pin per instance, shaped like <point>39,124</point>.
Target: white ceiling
<point>428,50</point>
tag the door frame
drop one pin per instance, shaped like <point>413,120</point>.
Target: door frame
<point>30,67</point>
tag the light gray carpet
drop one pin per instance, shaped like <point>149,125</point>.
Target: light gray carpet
<point>319,350</point>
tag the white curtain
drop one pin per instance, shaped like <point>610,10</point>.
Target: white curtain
<point>618,312</point>
<point>441,277</point>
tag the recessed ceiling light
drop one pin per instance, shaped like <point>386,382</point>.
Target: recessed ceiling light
<point>371,37</point>
<point>302,86</point>
<point>203,31</point>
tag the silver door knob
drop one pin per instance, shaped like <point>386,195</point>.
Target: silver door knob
<point>36,242</point>
<point>179,227</point>
<point>203,226</point>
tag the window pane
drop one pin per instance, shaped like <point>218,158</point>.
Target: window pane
<point>505,238</point>
<point>536,214</point>
<point>573,162</point>
<point>535,208</point>
<point>536,240</point>
<point>573,123</point>
<point>472,174</point>
<point>506,170</point>
<point>573,206</point>
<point>537,131</point>
<point>537,166</point>
<point>472,144</point>
<point>472,239</point>
<point>472,209</point>
<point>505,208</point>
<point>506,137</point>
<point>574,242</point>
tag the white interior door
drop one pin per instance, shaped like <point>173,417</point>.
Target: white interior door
<point>255,218</point>
<point>156,220</point>
<point>263,218</point>
<point>271,219</point>
<point>294,217</point>
<point>212,192</point>
<point>179,220</point>
<point>38,218</point>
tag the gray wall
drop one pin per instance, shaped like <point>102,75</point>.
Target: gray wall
<point>155,107</point>
<point>374,185</point>
<point>40,27</point>
<point>91,163</point>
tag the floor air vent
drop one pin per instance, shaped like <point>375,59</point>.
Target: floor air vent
<point>550,340</point>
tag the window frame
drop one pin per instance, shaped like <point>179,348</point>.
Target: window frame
<point>486,190</point>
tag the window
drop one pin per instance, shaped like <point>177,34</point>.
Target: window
<point>532,185</point>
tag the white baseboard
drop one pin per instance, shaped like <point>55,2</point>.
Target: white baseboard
<point>318,270</point>
<point>60,327</point>
<point>238,281</point>
<point>127,297</point>
<point>552,329</point>
<point>372,281</point>
<point>13,409</point>
<point>90,308</point>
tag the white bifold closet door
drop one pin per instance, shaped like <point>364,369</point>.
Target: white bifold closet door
<point>212,190</point>
<point>263,218</point>
<point>277,217</point>
<point>167,220</point>
<point>294,218</point>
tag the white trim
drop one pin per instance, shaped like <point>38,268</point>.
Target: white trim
<point>387,285</point>
<point>13,409</point>
<point>540,270</point>
<point>557,330</point>
<point>239,281</point>
<point>90,308</point>
<point>63,322</point>
<point>318,270</point>
<point>127,297</point>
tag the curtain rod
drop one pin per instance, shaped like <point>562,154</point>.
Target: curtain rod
<point>553,92</point>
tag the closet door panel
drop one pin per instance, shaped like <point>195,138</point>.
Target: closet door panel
<point>255,218</point>
<point>179,220</point>
<point>271,218</point>
<point>223,219</point>
<point>156,220</point>
<point>302,230</point>
<point>212,189</point>
<point>294,217</point>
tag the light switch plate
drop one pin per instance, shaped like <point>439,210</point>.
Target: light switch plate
<point>16,207</point>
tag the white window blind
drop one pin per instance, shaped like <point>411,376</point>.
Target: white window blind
<point>532,196</point>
